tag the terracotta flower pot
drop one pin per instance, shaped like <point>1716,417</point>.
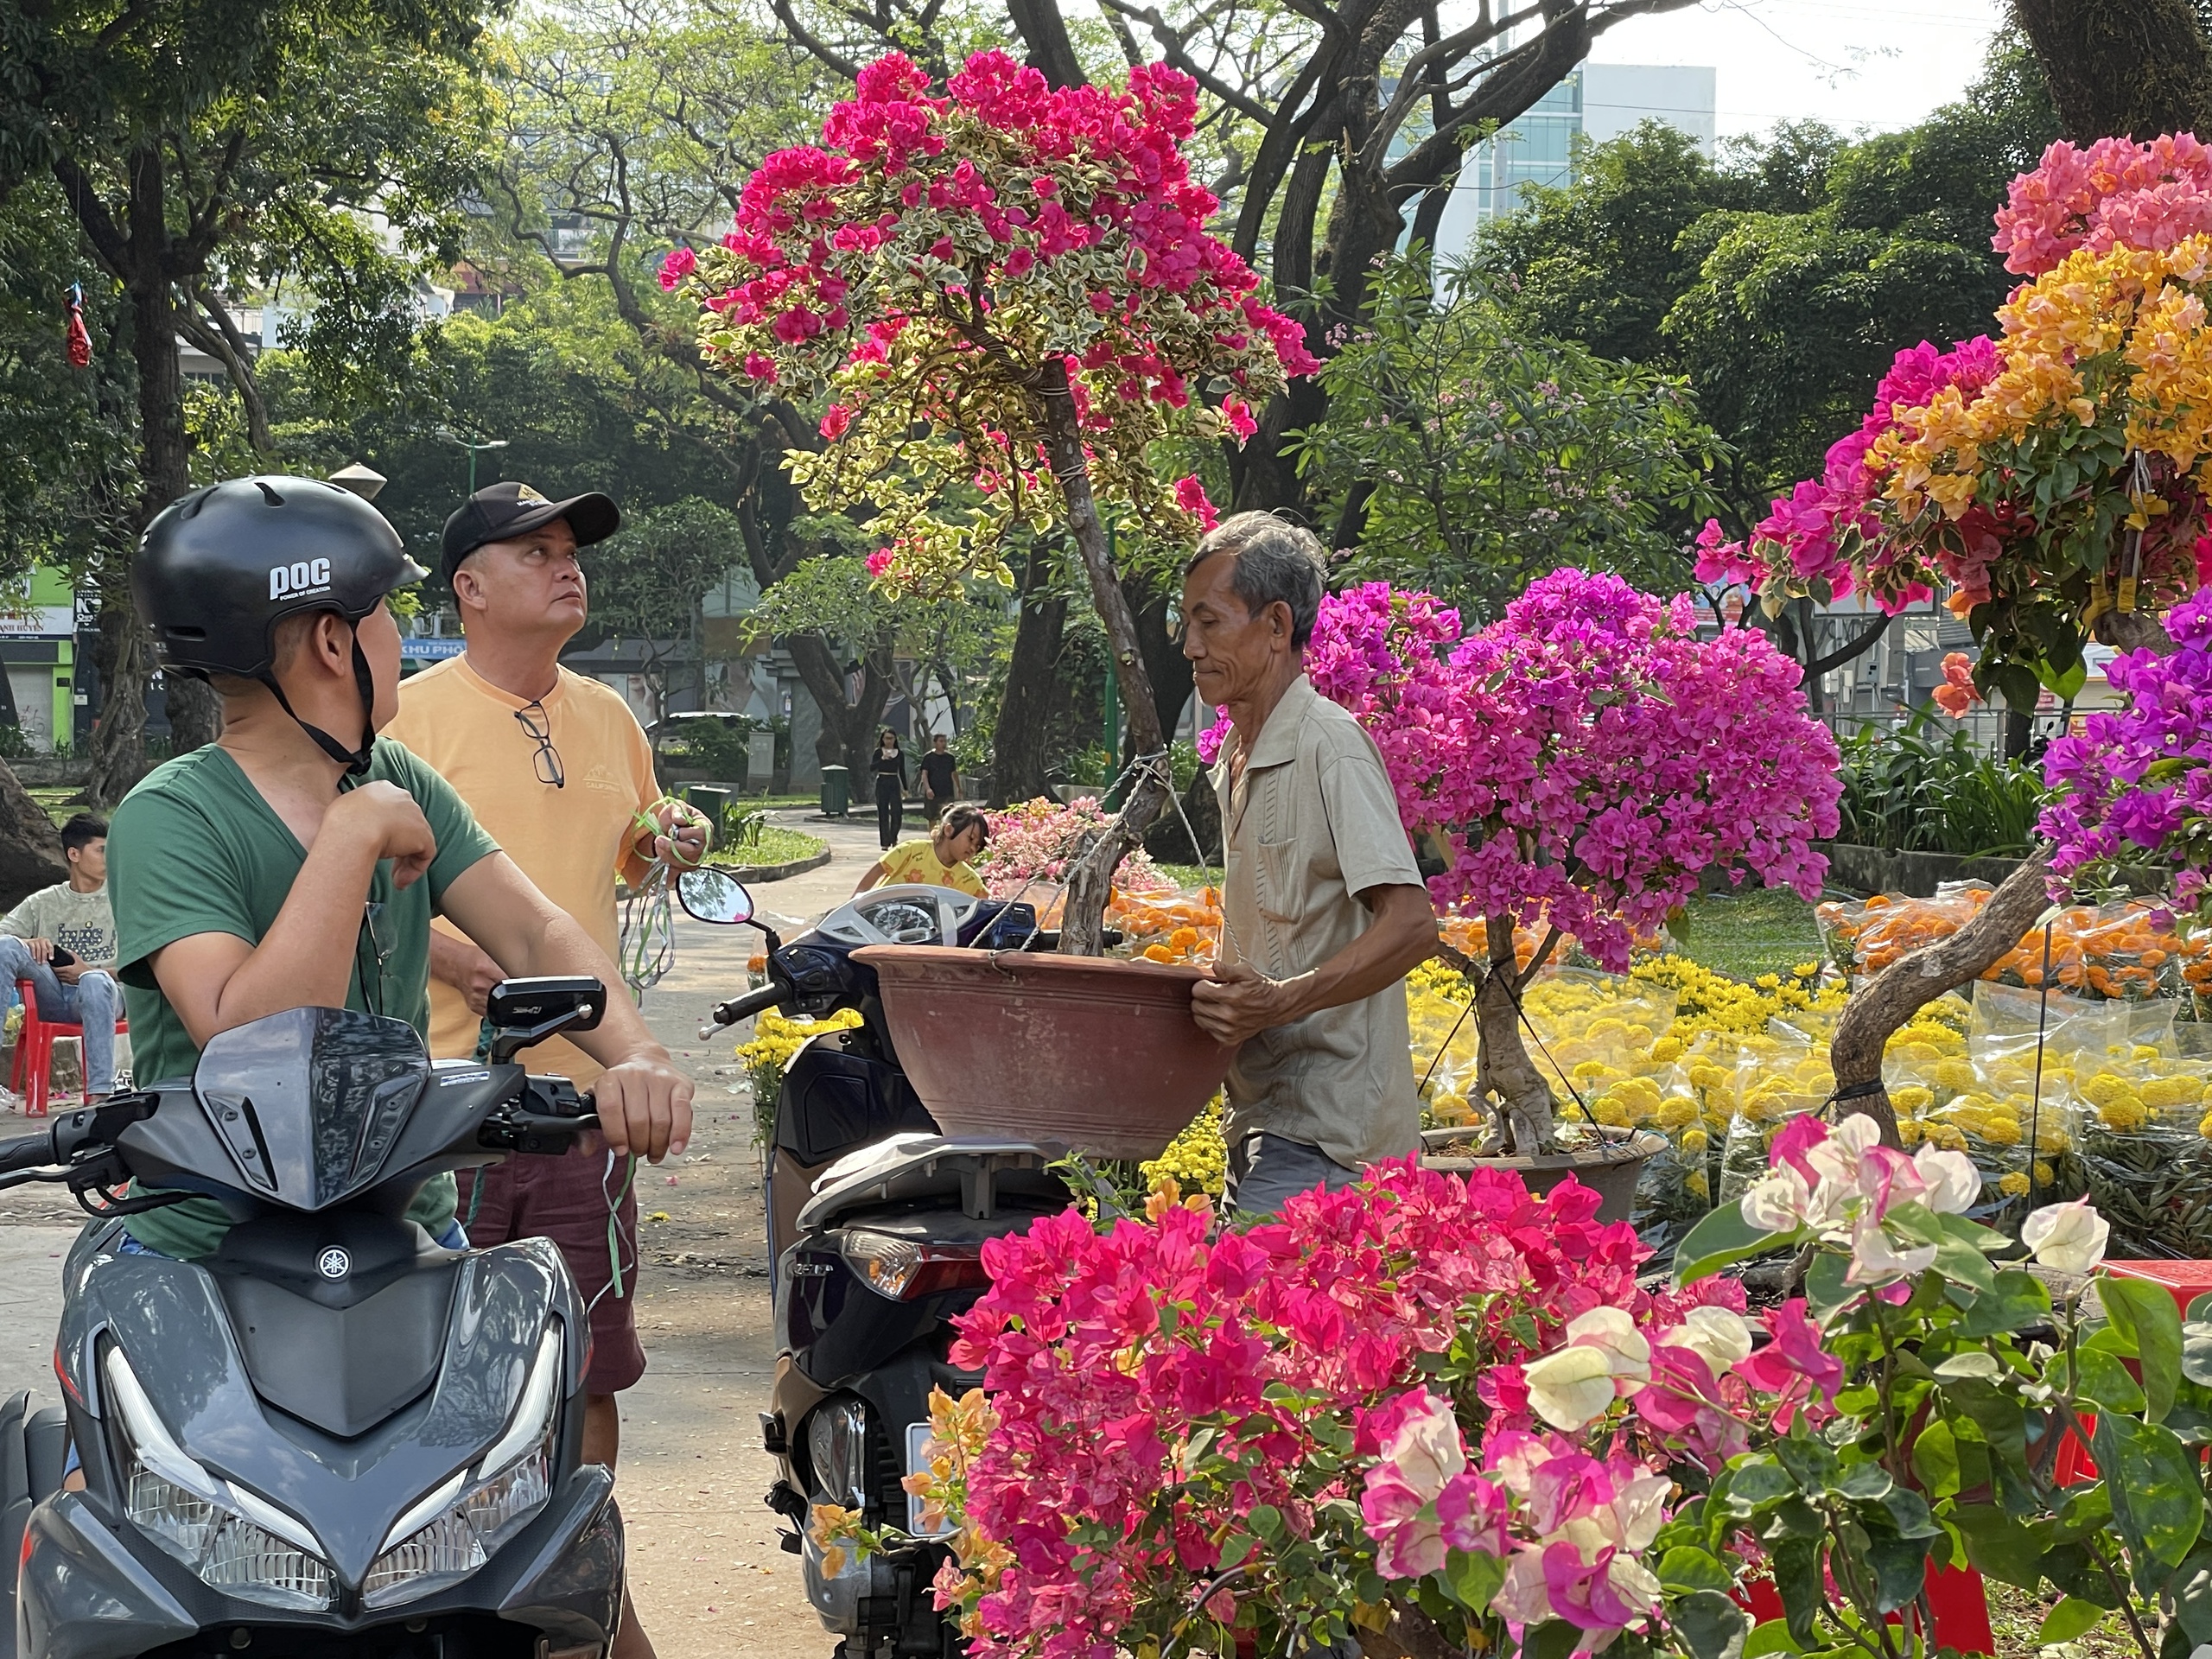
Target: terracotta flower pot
<point>1098,1055</point>
<point>1610,1170</point>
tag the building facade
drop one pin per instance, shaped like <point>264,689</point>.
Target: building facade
<point>1595,102</point>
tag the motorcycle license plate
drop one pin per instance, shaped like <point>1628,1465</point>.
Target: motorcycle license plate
<point>917,1440</point>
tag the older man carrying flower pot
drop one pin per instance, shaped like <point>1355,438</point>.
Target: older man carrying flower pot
<point>1323,906</point>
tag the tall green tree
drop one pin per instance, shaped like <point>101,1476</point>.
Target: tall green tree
<point>206,146</point>
<point>1781,278</point>
<point>1465,457</point>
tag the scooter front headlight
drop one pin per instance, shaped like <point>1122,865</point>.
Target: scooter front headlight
<point>236,1543</point>
<point>454,1529</point>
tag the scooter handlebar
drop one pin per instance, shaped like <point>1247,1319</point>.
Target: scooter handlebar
<point>26,1152</point>
<point>744,1007</point>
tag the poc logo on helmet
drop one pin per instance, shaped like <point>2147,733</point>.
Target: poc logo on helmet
<point>303,577</point>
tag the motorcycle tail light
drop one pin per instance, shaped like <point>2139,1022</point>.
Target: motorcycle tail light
<point>905,1269</point>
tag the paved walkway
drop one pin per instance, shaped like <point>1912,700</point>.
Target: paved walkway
<point>706,1569</point>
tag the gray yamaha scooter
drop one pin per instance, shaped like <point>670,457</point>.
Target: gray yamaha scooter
<point>333,1437</point>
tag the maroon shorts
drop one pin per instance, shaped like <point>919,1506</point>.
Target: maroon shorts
<point>565,1199</point>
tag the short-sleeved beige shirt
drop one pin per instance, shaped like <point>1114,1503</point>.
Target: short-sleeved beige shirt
<point>1311,823</point>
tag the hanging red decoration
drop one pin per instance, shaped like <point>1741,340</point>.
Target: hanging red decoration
<point>80,340</point>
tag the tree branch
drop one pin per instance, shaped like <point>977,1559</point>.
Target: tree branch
<point>207,325</point>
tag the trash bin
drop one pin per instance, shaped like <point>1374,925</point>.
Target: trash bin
<point>837,792</point>
<point>713,800</point>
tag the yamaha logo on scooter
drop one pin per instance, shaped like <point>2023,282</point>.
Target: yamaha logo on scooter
<point>334,1263</point>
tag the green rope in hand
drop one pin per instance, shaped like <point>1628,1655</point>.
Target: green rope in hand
<point>613,1222</point>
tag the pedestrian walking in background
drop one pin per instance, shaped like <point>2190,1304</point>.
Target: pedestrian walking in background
<point>888,766</point>
<point>940,780</point>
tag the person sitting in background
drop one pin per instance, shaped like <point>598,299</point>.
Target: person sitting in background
<point>72,919</point>
<point>942,861</point>
<point>940,778</point>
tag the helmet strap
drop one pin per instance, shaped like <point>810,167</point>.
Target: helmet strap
<point>356,761</point>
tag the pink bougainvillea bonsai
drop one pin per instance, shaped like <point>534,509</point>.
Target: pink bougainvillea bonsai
<point>1007,294</point>
<point>1582,763</point>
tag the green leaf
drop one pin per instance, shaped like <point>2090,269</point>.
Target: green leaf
<point>2191,1590</point>
<point>1998,1546</point>
<point>1475,1578</point>
<point>1908,1514</point>
<point>2197,1351</point>
<point>1686,1568</point>
<point>2156,1501</point>
<point>1825,1290</point>
<point>2065,682</point>
<point>1797,1577</point>
<point>1900,1568</point>
<point>2104,1379</point>
<point>2143,1314</point>
<point>1711,1626</point>
<point>1758,1482</point>
<point>1722,1238</point>
<point>2015,1301</point>
<point>1768,1639</point>
<point>1266,1519</point>
<point>1936,1458</point>
<point>2071,1618</point>
<point>1234,1549</point>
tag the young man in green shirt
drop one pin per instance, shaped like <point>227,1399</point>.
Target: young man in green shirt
<point>284,867</point>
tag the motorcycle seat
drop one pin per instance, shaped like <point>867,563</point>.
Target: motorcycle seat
<point>915,1167</point>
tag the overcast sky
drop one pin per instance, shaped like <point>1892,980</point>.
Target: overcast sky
<point>1875,65</point>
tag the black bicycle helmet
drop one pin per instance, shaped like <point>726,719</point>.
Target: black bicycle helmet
<point>219,569</point>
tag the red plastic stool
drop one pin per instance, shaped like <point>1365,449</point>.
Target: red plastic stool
<point>2186,1281</point>
<point>33,1072</point>
<point>1956,1596</point>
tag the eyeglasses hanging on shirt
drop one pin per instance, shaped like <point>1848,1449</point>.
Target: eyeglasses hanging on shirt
<point>533,719</point>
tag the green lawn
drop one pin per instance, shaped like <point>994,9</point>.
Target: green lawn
<point>1744,934</point>
<point>59,803</point>
<point>774,846</point>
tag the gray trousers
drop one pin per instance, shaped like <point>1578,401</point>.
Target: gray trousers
<point>1265,1170</point>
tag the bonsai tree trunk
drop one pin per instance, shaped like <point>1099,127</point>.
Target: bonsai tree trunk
<point>1906,986</point>
<point>1521,1100</point>
<point>1091,879</point>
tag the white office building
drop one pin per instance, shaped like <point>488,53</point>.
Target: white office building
<point>1597,101</point>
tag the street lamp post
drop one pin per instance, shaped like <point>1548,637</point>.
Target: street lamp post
<point>472,445</point>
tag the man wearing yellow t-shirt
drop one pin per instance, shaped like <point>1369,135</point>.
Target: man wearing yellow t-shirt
<point>556,770</point>
<point>940,861</point>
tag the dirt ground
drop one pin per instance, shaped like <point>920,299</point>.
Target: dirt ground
<point>708,1575</point>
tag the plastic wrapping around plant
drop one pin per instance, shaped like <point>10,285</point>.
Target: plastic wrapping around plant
<point>2129,948</point>
<point>776,1039</point>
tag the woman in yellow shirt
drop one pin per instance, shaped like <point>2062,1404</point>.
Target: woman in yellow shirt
<point>940,861</point>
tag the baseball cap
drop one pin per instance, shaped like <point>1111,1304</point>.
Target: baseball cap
<point>501,511</point>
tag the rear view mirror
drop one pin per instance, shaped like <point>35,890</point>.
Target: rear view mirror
<point>526,1011</point>
<point>713,897</point>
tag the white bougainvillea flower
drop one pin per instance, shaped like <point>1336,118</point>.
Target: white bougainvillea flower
<point>1570,1387</point>
<point>2068,1237</point>
<point>1953,1184</point>
<point>1718,1335</point>
<point>1779,1202</point>
<point>1876,1260</point>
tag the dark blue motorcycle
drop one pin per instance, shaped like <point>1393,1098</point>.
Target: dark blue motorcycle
<point>877,1226</point>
